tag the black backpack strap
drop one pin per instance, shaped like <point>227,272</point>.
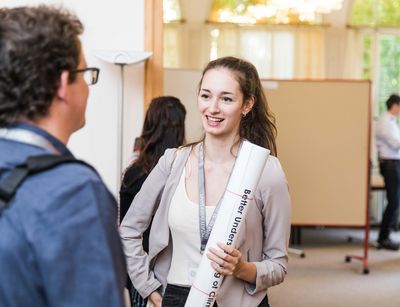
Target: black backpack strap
<point>33,165</point>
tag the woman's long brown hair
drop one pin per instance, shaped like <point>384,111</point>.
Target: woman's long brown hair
<point>164,127</point>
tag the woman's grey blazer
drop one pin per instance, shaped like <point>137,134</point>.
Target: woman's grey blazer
<point>263,239</point>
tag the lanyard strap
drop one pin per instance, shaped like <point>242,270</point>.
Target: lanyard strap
<point>28,137</point>
<point>205,230</point>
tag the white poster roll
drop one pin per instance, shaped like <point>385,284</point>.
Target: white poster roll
<point>237,198</point>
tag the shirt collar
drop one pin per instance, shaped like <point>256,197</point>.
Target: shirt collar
<point>390,116</point>
<point>53,140</point>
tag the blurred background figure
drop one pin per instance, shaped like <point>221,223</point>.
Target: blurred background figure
<point>388,143</point>
<point>163,127</point>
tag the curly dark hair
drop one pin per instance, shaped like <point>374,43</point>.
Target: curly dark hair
<point>36,45</point>
<point>258,126</point>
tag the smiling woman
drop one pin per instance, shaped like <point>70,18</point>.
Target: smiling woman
<point>237,83</point>
<point>184,192</point>
<point>221,103</point>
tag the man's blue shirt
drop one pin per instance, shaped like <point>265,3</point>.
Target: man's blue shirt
<point>59,243</point>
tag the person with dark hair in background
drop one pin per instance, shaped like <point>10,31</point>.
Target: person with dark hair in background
<point>163,127</point>
<point>388,143</point>
<point>233,108</point>
<point>59,242</point>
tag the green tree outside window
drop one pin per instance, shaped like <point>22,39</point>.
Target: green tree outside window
<point>375,13</point>
<point>380,14</point>
<point>389,73</point>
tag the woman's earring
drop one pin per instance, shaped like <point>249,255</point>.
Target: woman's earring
<point>244,115</point>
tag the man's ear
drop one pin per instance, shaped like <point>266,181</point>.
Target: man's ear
<point>63,86</point>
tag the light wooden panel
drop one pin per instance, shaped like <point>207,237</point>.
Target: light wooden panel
<point>323,145</point>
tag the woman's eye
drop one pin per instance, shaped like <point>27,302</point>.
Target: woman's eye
<point>204,96</point>
<point>227,99</point>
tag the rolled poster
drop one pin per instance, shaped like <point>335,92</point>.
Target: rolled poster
<point>237,197</point>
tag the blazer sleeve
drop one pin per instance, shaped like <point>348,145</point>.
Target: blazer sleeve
<point>276,210</point>
<point>138,219</point>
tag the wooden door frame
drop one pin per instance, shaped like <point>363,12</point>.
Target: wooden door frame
<point>153,36</point>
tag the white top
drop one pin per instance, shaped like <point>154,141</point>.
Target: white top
<point>183,221</point>
<point>388,137</point>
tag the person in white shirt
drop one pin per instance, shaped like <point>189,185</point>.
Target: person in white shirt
<point>388,143</point>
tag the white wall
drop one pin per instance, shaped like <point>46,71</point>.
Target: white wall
<point>109,25</point>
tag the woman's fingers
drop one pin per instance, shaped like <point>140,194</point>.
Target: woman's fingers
<point>230,250</point>
<point>220,258</point>
<point>221,270</point>
<point>225,259</point>
<point>156,299</point>
<point>226,248</point>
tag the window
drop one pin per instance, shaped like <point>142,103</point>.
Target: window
<point>271,11</point>
<point>171,11</point>
<point>278,51</point>
<point>389,67</point>
<point>375,13</point>
<point>272,52</point>
<point>379,22</point>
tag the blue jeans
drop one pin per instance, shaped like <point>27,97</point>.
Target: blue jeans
<point>175,296</point>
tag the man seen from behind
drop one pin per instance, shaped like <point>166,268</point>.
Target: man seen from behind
<point>59,244</point>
